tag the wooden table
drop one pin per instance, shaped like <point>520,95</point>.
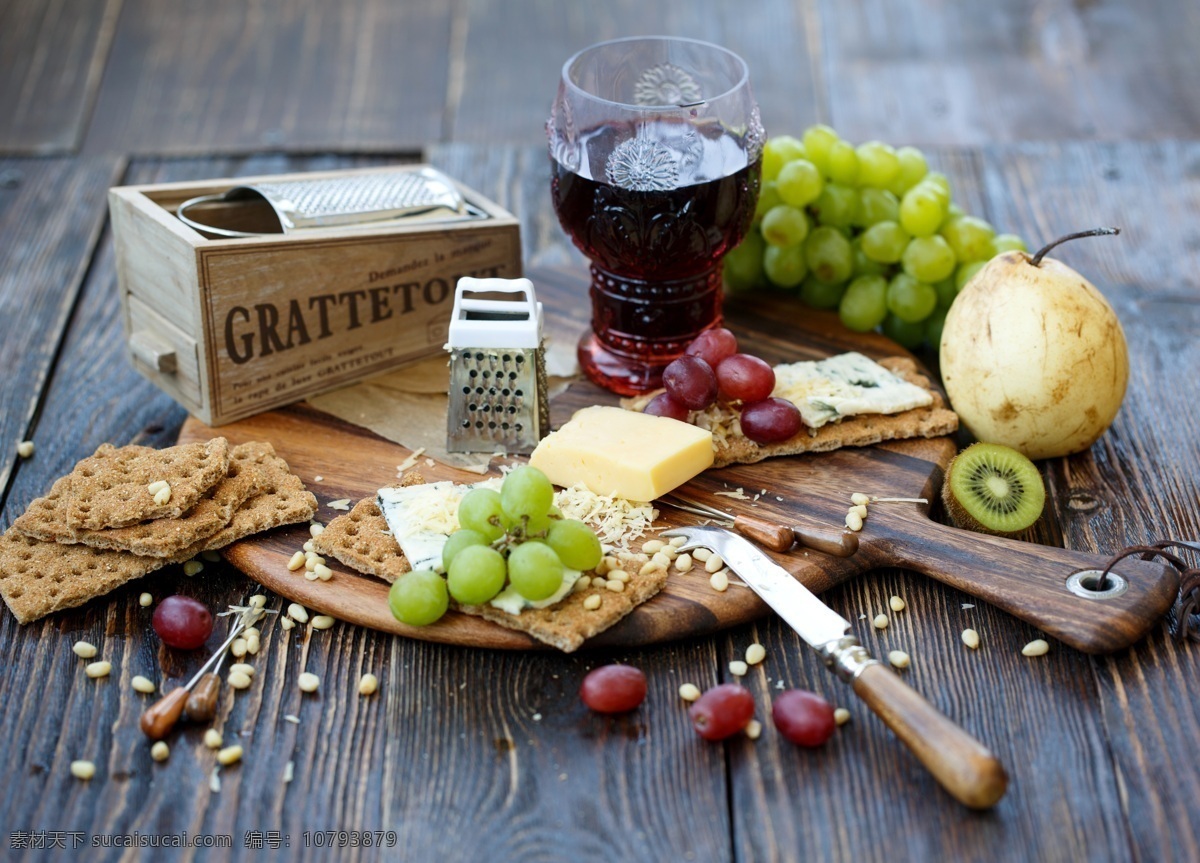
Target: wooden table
<point>1047,117</point>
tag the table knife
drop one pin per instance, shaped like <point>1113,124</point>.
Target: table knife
<point>959,762</point>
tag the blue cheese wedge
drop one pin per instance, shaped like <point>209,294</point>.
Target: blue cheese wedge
<point>512,602</point>
<point>846,385</point>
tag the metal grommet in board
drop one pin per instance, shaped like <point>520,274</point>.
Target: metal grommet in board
<point>1080,583</point>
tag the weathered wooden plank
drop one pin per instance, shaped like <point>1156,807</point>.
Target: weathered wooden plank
<point>954,73</point>
<point>183,78</point>
<point>514,54</point>
<point>53,55</point>
<point>51,213</point>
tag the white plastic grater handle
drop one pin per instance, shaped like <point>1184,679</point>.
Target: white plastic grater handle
<point>480,323</point>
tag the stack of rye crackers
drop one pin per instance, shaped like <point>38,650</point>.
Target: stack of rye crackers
<point>125,512</point>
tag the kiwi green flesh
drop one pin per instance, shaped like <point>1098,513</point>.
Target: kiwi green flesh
<point>993,489</point>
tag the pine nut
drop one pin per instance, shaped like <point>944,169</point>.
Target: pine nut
<point>881,621</point>
<point>860,510</point>
<point>860,499</point>
<point>701,554</point>
<point>648,567</point>
<point>619,575</point>
<point>970,638</point>
<point>605,565</point>
<point>323,572</point>
<point>898,659</point>
<point>1037,647</point>
<point>229,755</point>
<point>84,650</point>
<point>192,567</point>
<point>719,581</point>
<point>251,632</point>
<point>684,563</point>
<point>854,521</point>
<point>755,654</point>
<point>714,563</point>
<point>239,680</point>
<point>599,581</point>
<point>689,692</point>
<point>84,770</point>
<point>160,751</point>
<point>592,602</point>
<point>652,546</point>
<point>287,623</point>
<point>297,612</point>
<point>322,621</point>
<point>841,716</point>
<point>368,684</point>
<point>615,586</point>
<point>738,668</point>
<point>296,562</point>
<point>157,486</point>
<point>243,668</point>
<point>662,559</point>
<point>897,604</point>
<point>581,584</point>
<point>754,729</point>
<point>145,600</point>
<point>252,646</point>
<point>678,541</point>
<point>25,449</point>
<point>308,546</point>
<point>670,551</point>
<point>238,648</point>
<point>316,529</point>
<point>309,682</point>
<point>258,600</point>
<point>96,670</point>
<point>163,496</point>
<point>310,562</point>
<point>143,685</point>
<point>213,739</point>
<point>310,574</point>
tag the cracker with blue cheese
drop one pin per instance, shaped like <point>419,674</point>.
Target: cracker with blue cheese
<point>362,540</point>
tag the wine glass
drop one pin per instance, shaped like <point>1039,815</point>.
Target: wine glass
<point>655,152</point>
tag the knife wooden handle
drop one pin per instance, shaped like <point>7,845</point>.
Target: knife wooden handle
<point>777,537</point>
<point>959,762</point>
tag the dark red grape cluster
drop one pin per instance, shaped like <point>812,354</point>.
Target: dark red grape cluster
<point>711,369</point>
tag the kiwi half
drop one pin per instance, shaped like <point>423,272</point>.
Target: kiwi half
<point>991,488</point>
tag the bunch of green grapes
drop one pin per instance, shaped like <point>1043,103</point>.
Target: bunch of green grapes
<point>868,230</point>
<point>515,536</point>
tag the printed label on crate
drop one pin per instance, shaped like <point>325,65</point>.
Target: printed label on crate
<point>303,319</point>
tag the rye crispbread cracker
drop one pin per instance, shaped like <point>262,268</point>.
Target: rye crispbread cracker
<point>568,624</point>
<point>164,537</point>
<point>362,540</point>
<point>109,488</point>
<point>283,500</point>
<point>37,578</point>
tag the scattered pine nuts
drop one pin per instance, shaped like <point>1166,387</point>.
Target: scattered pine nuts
<point>297,612</point>
<point>192,567</point>
<point>96,670</point>
<point>738,668</point>
<point>854,521</point>
<point>252,646</point>
<point>581,584</point>
<point>689,692</point>
<point>755,654</point>
<point>653,546</point>
<point>309,682</point>
<point>897,604</point>
<point>702,554</point>
<point>860,510</point>
<point>368,684</point>
<point>678,541</point>
<point>714,563</point>
<point>289,772</point>
<point>592,602</point>
<point>323,621</point>
<point>841,716</point>
<point>157,486</point>
<point>860,499</point>
<point>239,680</point>
<point>143,685</point>
<point>238,648</point>
<point>316,529</point>
<point>84,650</point>
<point>287,623</point>
<point>297,562</point>
<point>754,729</point>
<point>662,559</point>
<point>84,770</point>
<point>243,668</point>
<point>25,449</point>
<point>311,561</point>
<point>719,580</point>
<point>163,496</point>
<point>310,574</point>
<point>599,581</point>
<point>213,739</point>
<point>258,600</point>
<point>615,586</point>
<point>1037,647</point>
<point>308,547</point>
<point>881,621</point>
<point>160,751</point>
<point>251,632</point>
<point>970,638</point>
<point>323,572</point>
<point>899,659</point>
<point>229,755</point>
<point>145,600</point>
<point>683,563</point>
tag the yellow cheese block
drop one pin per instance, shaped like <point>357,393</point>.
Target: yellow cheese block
<point>623,453</point>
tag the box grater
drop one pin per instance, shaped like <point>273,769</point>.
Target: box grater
<point>497,368</point>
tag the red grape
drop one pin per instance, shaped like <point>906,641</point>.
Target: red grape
<point>182,622</point>
<point>770,421</point>
<point>722,711</point>
<point>662,405</point>
<point>613,689</point>
<point>804,718</point>
<point>691,382</point>
<point>745,378</point>
<point>713,345</point>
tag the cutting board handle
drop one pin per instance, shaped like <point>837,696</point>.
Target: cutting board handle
<point>1030,581</point>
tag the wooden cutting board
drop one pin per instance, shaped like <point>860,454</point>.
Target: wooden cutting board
<point>813,490</point>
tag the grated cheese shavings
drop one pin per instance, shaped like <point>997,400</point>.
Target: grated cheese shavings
<point>616,521</point>
<point>410,461</point>
<point>739,494</point>
<point>343,504</point>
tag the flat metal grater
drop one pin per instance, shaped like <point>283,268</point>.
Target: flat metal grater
<point>497,368</point>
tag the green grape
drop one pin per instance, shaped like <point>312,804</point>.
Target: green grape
<point>909,300</point>
<point>743,266</point>
<point>535,570</point>
<point>419,598</point>
<point>907,334</point>
<point>864,266</point>
<point>946,292</point>
<point>457,541</point>
<point>799,183</point>
<point>536,528</point>
<point>877,205</point>
<point>912,168</point>
<point>575,544</point>
<point>878,164</point>
<point>837,206</point>
<point>785,226</point>
<point>843,164</point>
<point>480,511</point>
<point>933,327</point>
<point>864,305</point>
<point>921,210</point>
<point>777,152</point>
<point>526,491</point>
<point>969,237</point>
<point>786,268</point>
<point>829,255</point>
<point>821,295</point>
<point>476,574</point>
<point>1008,243</point>
<point>954,211</point>
<point>818,140</point>
<point>885,242</point>
<point>965,271</point>
<point>768,197</point>
<point>939,181</point>
<point>929,259</point>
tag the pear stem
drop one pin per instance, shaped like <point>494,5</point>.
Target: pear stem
<point>1036,260</point>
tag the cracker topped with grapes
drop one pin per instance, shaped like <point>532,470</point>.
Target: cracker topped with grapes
<point>756,411</point>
